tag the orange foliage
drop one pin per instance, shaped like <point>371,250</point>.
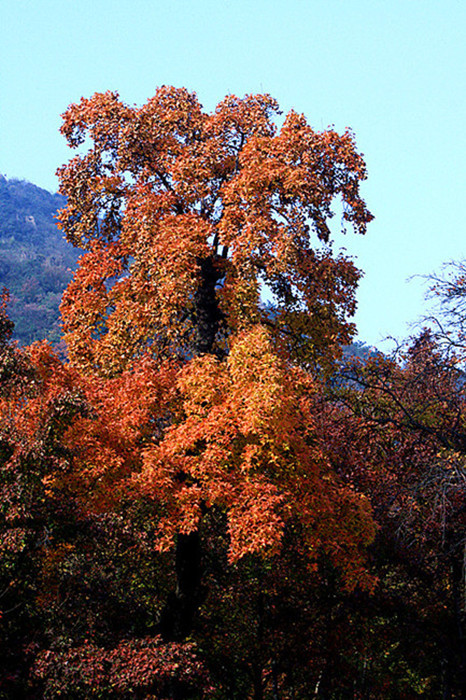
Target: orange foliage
<point>198,394</point>
<point>245,439</point>
<point>170,201</point>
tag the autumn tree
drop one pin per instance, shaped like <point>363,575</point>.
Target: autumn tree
<point>208,277</point>
<point>407,428</point>
<point>34,410</point>
<point>72,570</point>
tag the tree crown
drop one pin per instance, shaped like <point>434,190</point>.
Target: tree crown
<point>186,217</point>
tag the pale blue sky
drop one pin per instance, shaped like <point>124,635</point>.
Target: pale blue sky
<point>392,70</point>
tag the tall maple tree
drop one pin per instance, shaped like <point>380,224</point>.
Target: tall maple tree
<point>188,221</point>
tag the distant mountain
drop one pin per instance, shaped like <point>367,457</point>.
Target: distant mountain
<point>360,350</point>
<point>35,261</point>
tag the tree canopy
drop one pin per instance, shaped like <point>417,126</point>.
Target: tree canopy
<point>187,217</point>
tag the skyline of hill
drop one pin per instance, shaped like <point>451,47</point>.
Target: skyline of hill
<point>36,262</point>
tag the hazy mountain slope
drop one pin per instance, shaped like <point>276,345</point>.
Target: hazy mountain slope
<point>35,261</point>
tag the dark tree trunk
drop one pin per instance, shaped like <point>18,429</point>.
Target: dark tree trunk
<point>275,689</point>
<point>446,678</point>
<point>207,315</point>
<point>177,618</point>
<point>258,686</point>
<point>178,614</point>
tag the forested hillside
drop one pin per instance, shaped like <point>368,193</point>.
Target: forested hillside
<point>35,260</point>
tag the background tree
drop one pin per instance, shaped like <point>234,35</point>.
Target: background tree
<point>410,430</point>
<point>80,584</point>
<point>447,294</point>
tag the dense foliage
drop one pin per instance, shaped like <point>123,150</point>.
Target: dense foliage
<point>208,498</point>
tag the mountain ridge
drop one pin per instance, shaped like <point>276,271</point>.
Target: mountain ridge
<point>36,262</point>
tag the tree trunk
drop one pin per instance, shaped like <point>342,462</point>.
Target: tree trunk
<point>275,689</point>
<point>207,315</point>
<point>178,615</point>
<point>258,686</point>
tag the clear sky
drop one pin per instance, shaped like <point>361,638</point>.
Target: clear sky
<point>392,70</point>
